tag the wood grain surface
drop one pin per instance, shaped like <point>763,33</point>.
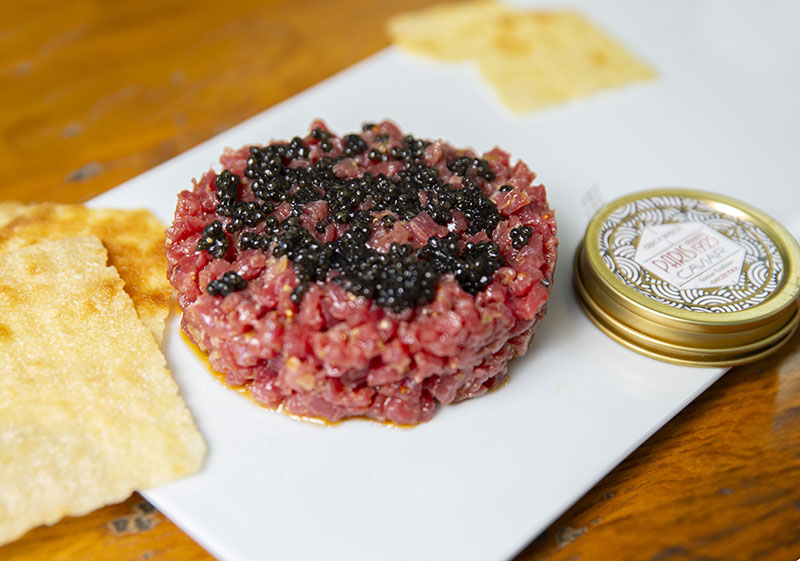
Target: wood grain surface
<point>94,93</point>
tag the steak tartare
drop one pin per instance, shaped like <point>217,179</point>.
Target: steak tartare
<point>372,274</point>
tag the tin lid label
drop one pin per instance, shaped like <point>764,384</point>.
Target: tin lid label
<point>687,254</point>
<point>690,255</point>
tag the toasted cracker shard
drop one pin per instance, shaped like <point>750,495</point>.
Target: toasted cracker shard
<point>531,59</point>
<point>134,240</point>
<point>88,410</point>
<point>9,210</point>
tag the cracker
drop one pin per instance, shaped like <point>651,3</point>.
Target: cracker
<point>531,59</point>
<point>447,32</point>
<point>134,240</point>
<point>9,210</point>
<point>88,411</point>
<point>544,59</point>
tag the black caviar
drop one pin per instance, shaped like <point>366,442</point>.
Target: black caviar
<point>213,240</point>
<point>473,266</point>
<point>353,145</point>
<point>480,211</point>
<point>477,264</point>
<point>229,282</point>
<point>227,187</point>
<point>462,165</point>
<point>398,279</point>
<point>520,236</point>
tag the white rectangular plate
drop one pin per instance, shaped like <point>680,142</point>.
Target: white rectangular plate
<point>484,477</point>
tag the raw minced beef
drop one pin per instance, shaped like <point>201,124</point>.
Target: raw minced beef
<point>373,274</point>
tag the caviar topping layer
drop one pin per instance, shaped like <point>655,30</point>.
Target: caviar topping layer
<point>398,278</point>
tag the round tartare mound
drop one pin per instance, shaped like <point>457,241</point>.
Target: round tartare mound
<point>372,274</point>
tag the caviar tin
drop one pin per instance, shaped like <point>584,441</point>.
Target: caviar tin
<point>689,277</point>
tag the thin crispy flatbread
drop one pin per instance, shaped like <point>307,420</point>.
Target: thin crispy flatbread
<point>449,32</point>
<point>88,411</point>
<point>9,210</point>
<point>134,240</point>
<point>531,59</point>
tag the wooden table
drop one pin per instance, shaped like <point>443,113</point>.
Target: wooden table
<point>94,93</point>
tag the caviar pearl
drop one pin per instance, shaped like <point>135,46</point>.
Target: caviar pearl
<point>520,236</point>
<point>213,240</point>
<point>228,283</point>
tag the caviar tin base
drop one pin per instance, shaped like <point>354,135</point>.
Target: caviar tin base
<point>676,354</point>
<point>689,277</point>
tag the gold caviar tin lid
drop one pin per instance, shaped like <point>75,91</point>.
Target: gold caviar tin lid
<point>689,277</point>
